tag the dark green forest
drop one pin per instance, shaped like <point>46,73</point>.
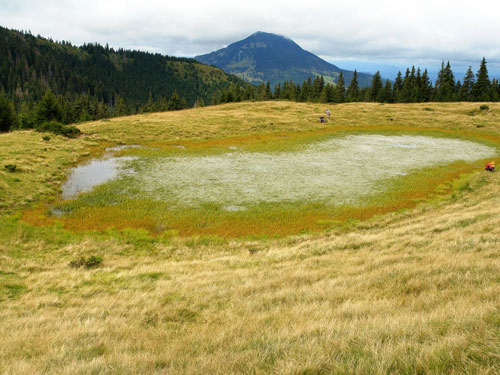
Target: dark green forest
<point>94,81</point>
<point>414,87</point>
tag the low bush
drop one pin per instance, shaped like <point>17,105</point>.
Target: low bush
<point>46,138</point>
<point>11,167</point>
<point>58,128</point>
<point>484,107</point>
<point>90,262</point>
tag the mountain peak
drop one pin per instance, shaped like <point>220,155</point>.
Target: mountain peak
<point>268,37</point>
<point>266,34</point>
<point>265,56</point>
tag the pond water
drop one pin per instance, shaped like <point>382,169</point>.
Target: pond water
<point>338,170</point>
<point>98,171</point>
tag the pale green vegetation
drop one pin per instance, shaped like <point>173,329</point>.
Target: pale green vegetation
<point>335,171</point>
<point>312,185</point>
<point>407,292</point>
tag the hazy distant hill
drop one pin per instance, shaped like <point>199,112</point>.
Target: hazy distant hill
<point>269,57</point>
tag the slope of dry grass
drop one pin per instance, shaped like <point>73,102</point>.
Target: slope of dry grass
<point>408,293</point>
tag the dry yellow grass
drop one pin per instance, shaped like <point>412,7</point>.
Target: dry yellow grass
<point>408,293</point>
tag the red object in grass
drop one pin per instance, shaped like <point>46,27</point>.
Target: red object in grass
<point>490,166</point>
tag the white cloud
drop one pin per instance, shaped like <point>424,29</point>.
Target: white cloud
<point>424,31</point>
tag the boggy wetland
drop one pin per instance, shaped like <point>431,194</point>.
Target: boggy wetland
<point>345,171</point>
<point>251,238</point>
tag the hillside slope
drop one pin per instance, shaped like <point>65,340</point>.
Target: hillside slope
<point>30,64</point>
<point>269,57</point>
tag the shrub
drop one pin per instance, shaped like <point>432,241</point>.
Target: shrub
<point>91,262</point>
<point>484,107</point>
<point>11,167</point>
<point>77,263</point>
<point>59,129</point>
<point>46,138</point>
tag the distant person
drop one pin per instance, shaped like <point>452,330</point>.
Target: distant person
<point>327,113</point>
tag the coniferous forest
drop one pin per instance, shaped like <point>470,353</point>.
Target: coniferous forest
<point>93,81</point>
<point>414,87</point>
<point>44,84</point>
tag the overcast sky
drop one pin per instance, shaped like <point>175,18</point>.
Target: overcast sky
<point>423,32</point>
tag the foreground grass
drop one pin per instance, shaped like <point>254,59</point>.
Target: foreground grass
<point>414,294</point>
<point>408,293</point>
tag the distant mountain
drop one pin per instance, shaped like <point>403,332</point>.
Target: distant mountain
<point>269,57</point>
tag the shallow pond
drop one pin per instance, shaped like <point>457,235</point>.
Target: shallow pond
<point>97,171</point>
<point>337,171</point>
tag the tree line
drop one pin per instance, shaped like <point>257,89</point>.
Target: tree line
<point>414,87</point>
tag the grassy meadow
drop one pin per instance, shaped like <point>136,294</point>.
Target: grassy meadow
<point>399,288</point>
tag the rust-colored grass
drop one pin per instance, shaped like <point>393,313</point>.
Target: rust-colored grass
<point>270,220</point>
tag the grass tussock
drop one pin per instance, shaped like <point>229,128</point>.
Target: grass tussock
<point>409,292</point>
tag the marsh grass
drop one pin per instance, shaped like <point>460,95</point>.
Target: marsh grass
<point>291,188</point>
<point>409,292</point>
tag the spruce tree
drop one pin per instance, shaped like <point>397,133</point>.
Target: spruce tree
<point>175,102</point>
<point>162,104</point>
<point>261,92</point>
<point>495,95</point>
<point>317,88</point>
<point>426,87</point>
<point>407,94</point>
<point>387,93</point>
<point>353,94</point>
<point>268,94</point>
<point>482,88</point>
<point>365,94</point>
<point>339,94</point>
<point>396,90</point>
<point>25,120</point>
<point>277,91</point>
<point>465,91</point>
<point>376,87</point>
<point>327,94</point>
<point>235,90</point>
<point>248,93</point>
<point>417,91</point>
<point>290,91</point>
<point>48,109</point>
<point>120,108</point>
<point>305,91</point>
<point>445,88</point>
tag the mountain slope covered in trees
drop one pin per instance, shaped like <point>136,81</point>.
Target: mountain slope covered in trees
<point>96,79</point>
<point>269,57</point>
